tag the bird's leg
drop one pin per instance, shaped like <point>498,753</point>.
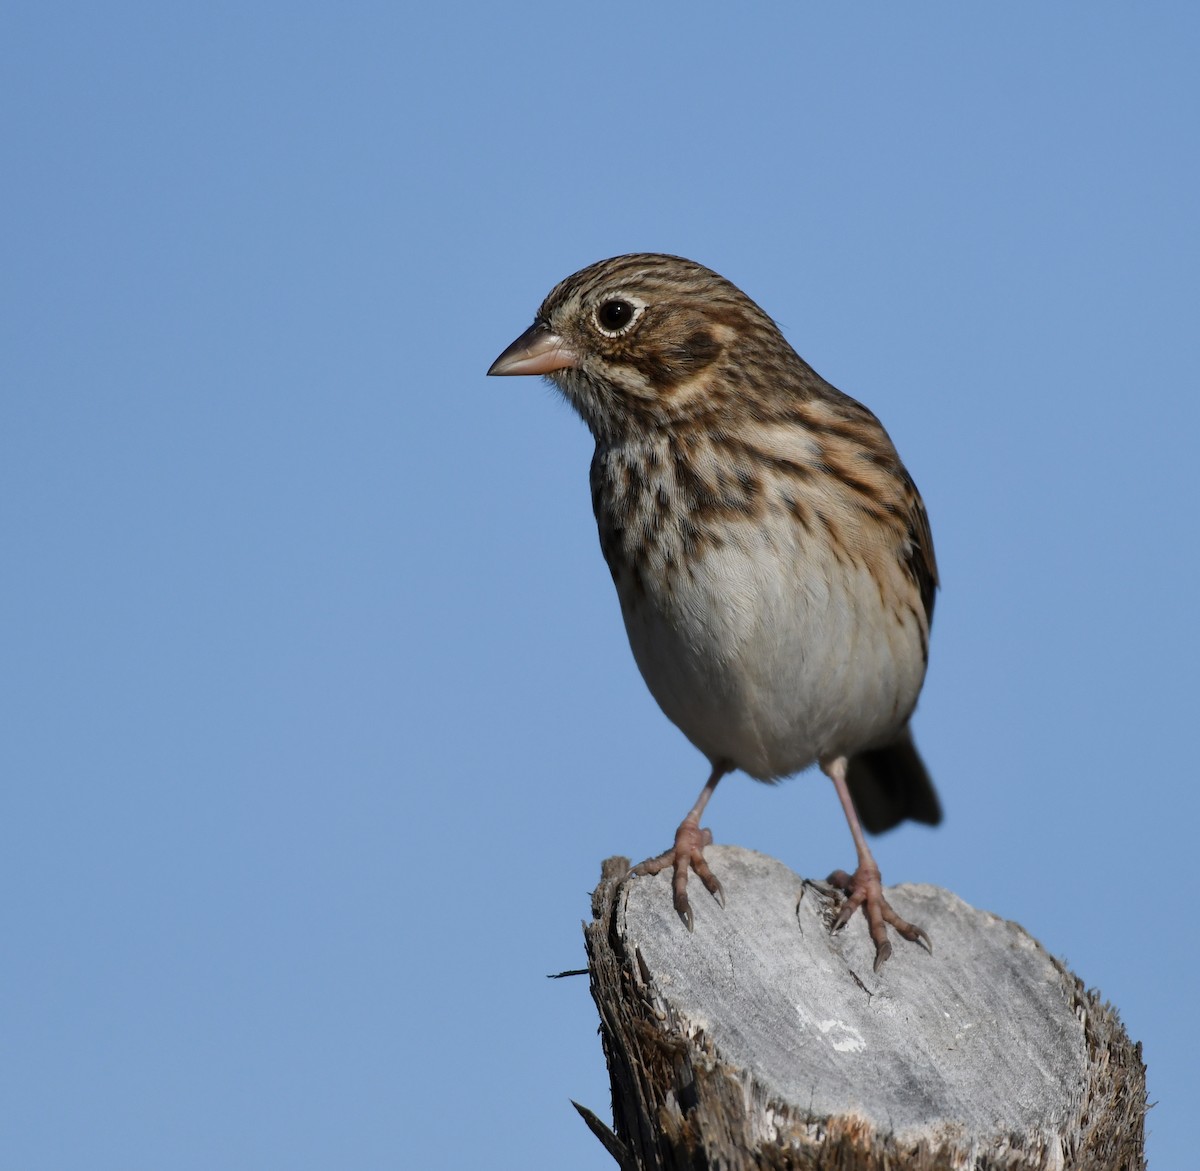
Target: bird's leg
<point>688,851</point>
<point>863,888</point>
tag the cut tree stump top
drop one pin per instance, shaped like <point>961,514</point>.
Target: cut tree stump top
<point>985,1043</point>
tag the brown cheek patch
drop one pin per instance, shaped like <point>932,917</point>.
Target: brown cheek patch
<point>667,365</point>
<point>701,348</point>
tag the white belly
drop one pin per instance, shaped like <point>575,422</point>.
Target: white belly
<point>772,660</point>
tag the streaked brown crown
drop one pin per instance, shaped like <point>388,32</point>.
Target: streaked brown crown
<point>694,343</point>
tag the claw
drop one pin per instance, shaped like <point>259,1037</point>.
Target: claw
<point>686,854</point>
<point>700,866</point>
<point>883,952</point>
<point>864,889</point>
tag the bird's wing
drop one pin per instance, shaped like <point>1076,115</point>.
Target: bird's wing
<point>921,562</point>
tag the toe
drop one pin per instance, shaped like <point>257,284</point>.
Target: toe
<point>864,889</point>
<point>841,880</point>
<point>679,881</point>
<point>654,865</point>
<point>849,905</point>
<point>909,931</point>
<point>686,854</point>
<point>711,883</point>
<point>883,953</point>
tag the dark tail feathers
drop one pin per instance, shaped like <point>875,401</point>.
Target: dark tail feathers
<point>891,784</point>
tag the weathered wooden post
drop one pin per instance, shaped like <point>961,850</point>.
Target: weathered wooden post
<point>761,1041</point>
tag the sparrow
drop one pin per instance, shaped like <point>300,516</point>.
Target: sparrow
<point>771,554</point>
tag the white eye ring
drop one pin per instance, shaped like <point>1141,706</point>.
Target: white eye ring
<point>617,314</point>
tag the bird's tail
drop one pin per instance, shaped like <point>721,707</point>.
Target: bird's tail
<point>890,785</point>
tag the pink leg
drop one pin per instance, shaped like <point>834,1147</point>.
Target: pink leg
<point>688,852</point>
<point>863,888</point>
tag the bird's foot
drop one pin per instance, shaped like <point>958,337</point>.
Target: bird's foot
<point>864,889</point>
<point>687,853</point>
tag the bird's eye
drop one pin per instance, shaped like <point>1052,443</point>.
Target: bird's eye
<point>614,315</point>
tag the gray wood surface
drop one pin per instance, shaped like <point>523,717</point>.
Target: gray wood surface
<point>761,1040</point>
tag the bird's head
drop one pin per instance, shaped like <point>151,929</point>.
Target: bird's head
<point>646,341</point>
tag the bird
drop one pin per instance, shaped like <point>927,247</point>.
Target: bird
<point>771,554</point>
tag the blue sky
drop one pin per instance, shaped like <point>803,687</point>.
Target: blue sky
<point>319,713</point>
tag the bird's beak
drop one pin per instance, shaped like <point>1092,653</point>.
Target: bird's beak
<point>537,351</point>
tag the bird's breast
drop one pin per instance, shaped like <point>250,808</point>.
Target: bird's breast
<point>765,643</point>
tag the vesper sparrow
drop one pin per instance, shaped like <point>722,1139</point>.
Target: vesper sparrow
<point>771,554</point>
